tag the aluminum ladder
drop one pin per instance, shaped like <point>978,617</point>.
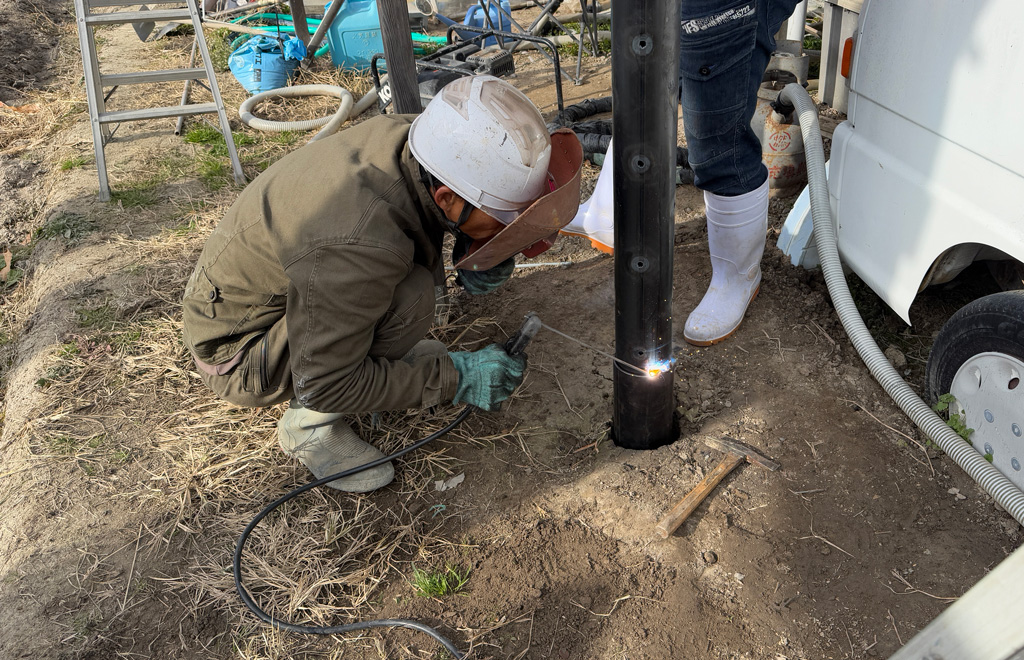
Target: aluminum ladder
<point>95,81</point>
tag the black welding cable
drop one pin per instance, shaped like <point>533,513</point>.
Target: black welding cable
<point>348,627</point>
<point>595,134</point>
<point>580,111</point>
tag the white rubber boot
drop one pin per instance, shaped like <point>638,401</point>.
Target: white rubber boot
<point>736,235</point>
<point>596,216</point>
<point>326,445</point>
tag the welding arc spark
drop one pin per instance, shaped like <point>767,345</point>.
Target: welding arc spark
<point>655,369</point>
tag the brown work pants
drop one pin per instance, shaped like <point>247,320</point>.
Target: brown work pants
<point>263,376</point>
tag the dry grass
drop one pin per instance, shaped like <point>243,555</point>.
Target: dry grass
<point>123,396</point>
<point>124,422</point>
<point>54,107</point>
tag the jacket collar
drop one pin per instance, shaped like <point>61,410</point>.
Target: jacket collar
<point>433,217</point>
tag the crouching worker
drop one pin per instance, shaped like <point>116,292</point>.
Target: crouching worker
<point>317,287</point>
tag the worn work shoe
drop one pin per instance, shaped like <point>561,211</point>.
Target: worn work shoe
<point>596,216</point>
<point>327,445</point>
<point>736,235</point>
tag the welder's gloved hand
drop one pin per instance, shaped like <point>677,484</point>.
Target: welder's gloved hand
<point>479,282</point>
<point>487,377</point>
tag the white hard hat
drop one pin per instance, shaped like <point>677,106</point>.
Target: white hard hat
<point>484,139</point>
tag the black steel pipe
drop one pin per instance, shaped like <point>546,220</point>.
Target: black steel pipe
<point>645,86</point>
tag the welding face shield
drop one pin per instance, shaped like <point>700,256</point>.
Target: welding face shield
<point>535,228</point>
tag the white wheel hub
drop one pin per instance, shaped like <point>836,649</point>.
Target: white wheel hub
<point>989,392</point>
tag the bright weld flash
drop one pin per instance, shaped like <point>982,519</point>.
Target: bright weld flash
<point>656,368</point>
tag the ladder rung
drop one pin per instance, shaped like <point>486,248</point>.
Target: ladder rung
<point>127,3</point>
<point>137,77</point>
<point>157,113</point>
<point>139,16</point>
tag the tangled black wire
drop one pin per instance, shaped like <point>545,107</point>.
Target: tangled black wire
<point>595,134</point>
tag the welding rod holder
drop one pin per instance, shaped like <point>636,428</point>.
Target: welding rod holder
<point>516,344</point>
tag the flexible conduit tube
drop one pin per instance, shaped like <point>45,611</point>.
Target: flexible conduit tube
<point>330,124</point>
<point>1002,490</point>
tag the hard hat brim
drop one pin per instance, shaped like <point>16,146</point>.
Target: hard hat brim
<point>542,219</point>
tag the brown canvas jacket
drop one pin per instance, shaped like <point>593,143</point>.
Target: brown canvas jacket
<point>323,237</point>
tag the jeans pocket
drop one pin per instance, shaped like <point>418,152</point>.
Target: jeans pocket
<point>714,67</point>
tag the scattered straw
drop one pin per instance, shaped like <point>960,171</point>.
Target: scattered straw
<point>122,414</point>
<point>911,589</point>
<point>210,467</point>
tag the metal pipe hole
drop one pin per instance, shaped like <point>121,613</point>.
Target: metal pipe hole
<point>640,264</point>
<point>642,44</point>
<point>1014,382</point>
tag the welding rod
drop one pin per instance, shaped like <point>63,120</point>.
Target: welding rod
<point>639,370</point>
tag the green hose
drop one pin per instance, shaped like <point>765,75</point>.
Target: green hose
<point>278,17</point>
<point>425,38</point>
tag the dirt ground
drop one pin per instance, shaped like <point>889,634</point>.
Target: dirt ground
<point>124,484</point>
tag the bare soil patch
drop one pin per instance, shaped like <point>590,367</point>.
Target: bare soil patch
<point>124,484</point>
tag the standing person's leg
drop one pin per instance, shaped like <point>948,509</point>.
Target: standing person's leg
<point>326,444</point>
<point>725,46</point>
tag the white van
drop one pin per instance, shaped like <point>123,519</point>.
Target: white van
<point>926,176</point>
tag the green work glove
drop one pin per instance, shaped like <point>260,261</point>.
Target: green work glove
<point>479,282</point>
<point>487,377</point>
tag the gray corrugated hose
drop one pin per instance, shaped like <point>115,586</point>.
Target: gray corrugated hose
<point>1002,490</point>
<point>330,124</point>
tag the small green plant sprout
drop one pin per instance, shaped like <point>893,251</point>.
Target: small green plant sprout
<point>69,164</point>
<point>214,172</point>
<point>66,360</point>
<point>208,135</point>
<point>285,138</point>
<point>440,583</point>
<point>63,445</point>
<point>219,43</point>
<point>572,49</point>
<point>69,226</point>
<point>202,134</point>
<point>956,421</point>
<point>213,166</point>
<point>83,624</point>
<point>136,198</point>
<point>127,341</point>
<point>9,274</point>
<point>812,43</point>
<point>101,318</point>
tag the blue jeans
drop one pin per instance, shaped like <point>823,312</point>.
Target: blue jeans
<point>725,46</point>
